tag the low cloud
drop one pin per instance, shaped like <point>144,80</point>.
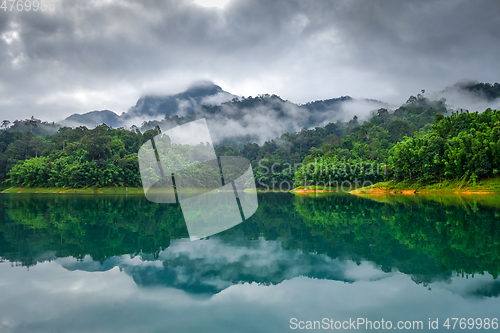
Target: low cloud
<point>94,55</point>
<point>459,97</point>
<point>363,109</point>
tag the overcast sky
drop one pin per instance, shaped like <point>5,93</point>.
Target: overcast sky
<point>103,54</point>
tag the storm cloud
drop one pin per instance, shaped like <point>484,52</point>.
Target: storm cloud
<point>94,55</point>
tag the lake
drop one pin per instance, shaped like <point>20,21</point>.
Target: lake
<point>84,263</point>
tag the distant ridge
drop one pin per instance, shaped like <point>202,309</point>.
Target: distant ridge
<point>230,118</point>
<point>93,118</point>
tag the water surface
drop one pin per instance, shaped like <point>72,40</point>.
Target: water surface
<point>123,264</point>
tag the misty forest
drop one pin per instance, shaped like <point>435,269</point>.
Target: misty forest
<point>422,141</point>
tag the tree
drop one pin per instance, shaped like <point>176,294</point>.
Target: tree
<point>97,146</point>
<point>64,133</point>
<point>438,118</point>
<point>5,123</point>
<point>36,144</point>
<point>31,123</point>
<point>412,99</point>
<point>397,129</point>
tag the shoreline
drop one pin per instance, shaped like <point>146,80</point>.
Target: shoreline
<point>382,191</point>
<point>88,190</point>
<point>483,187</point>
<point>67,190</point>
<point>308,191</point>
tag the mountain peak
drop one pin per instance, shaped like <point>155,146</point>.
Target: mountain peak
<point>204,84</point>
<point>199,93</point>
<point>200,89</point>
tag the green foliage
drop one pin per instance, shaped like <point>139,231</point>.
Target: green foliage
<point>329,171</point>
<point>359,156</point>
<point>463,145</point>
<point>316,187</point>
<point>74,158</point>
<point>334,144</point>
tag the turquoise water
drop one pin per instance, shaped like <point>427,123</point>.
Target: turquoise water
<point>123,264</point>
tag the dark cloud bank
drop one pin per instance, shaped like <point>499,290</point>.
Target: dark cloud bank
<point>97,55</point>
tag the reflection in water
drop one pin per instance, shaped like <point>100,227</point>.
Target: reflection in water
<point>207,267</point>
<point>460,235</point>
<point>374,256</point>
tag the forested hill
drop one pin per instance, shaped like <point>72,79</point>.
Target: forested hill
<point>369,143</point>
<point>230,118</point>
<point>463,146</point>
<point>108,157</point>
<point>262,118</point>
<point>418,141</point>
